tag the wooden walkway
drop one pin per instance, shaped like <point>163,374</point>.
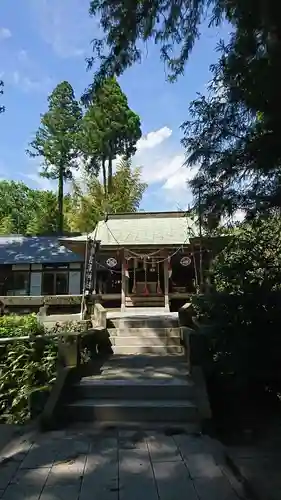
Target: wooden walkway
<point>86,464</point>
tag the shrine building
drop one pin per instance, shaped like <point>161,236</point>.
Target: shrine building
<point>145,259</point>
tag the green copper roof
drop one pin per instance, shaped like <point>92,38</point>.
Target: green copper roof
<point>172,228</point>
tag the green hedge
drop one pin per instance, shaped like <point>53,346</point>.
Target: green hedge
<point>26,367</point>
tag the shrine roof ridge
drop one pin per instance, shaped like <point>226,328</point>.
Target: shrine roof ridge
<point>147,215</point>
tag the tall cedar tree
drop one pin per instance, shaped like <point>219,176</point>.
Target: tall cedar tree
<point>56,140</point>
<point>110,129</point>
<point>249,70</point>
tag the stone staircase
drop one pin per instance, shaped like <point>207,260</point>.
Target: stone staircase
<point>144,301</point>
<point>145,383</point>
<point>158,334</point>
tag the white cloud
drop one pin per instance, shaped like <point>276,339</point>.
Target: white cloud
<point>153,139</point>
<point>176,189</point>
<point>30,84</point>
<point>152,171</point>
<point>28,75</point>
<point>179,178</point>
<point>40,182</point>
<point>166,172</point>
<point>65,25</point>
<point>5,33</point>
<point>23,56</point>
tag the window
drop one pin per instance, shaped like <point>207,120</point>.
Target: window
<point>55,282</point>
<point>18,284</point>
<point>61,283</point>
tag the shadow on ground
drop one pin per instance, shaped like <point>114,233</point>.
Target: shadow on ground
<point>110,464</point>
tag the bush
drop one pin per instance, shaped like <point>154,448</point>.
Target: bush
<point>245,306</point>
<point>26,367</point>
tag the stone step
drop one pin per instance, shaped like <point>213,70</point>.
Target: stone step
<point>175,428</point>
<point>148,364</point>
<point>111,410</point>
<point>145,301</point>
<point>161,388</point>
<point>143,322</point>
<point>119,340</point>
<point>147,349</point>
<point>145,332</point>
<point>142,299</point>
<point>128,305</point>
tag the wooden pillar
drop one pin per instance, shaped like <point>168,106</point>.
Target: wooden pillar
<point>123,285</point>
<point>166,285</point>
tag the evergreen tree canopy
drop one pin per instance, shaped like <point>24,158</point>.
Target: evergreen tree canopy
<point>110,129</point>
<point>56,139</point>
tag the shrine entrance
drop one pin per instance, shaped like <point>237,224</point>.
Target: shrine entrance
<point>146,278</point>
<point>144,283</point>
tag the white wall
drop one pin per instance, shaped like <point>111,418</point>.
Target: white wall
<point>35,283</point>
<point>74,286</point>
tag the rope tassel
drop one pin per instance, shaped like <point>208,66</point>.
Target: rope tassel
<point>145,290</point>
<point>158,290</point>
<point>170,271</point>
<point>126,269</point>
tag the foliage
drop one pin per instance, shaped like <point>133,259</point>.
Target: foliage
<point>89,203</point>
<point>244,306</point>
<point>56,140</point>
<point>26,366</point>
<point>78,327</point>
<point>128,188</point>
<point>27,211</point>
<point>45,216</point>
<point>233,134</point>
<point>110,129</point>
<point>239,159</point>
<point>174,25</point>
<point>16,207</point>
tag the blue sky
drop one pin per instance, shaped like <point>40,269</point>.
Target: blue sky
<point>43,42</point>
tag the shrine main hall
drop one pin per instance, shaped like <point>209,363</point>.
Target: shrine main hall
<point>145,259</point>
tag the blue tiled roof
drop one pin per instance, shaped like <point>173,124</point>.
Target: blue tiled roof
<point>34,250</point>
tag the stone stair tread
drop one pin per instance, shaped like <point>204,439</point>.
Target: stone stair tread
<point>131,403</point>
<point>146,331</point>
<point>178,427</point>
<point>149,381</point>
<point>147,362</point>
<point>151,358</point>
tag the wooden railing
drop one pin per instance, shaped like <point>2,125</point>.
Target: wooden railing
<point>40,300</point>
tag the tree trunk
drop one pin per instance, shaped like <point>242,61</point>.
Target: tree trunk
<point>109,180</point>
<point>60,202</point>
<point>104,177</point>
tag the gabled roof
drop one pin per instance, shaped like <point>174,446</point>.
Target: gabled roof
<point>143,229</point>
<point>34,250</point>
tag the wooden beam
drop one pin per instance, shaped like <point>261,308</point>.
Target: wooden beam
<point>166,285</point>
<point>123,284</point>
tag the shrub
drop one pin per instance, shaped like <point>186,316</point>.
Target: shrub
<point>26,367</point>
<point>244,307</point>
